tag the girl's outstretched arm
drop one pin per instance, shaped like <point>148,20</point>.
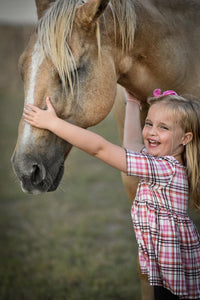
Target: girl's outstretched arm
<point>83,139</point>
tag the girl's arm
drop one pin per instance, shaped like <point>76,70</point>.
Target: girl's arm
<point>132,126</point>
<point>83,139</point>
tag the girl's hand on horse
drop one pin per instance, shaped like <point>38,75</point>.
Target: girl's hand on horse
<point>130,98</point>
<point>40,118</point>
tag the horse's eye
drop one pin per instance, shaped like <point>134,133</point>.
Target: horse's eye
<point>69,80</point>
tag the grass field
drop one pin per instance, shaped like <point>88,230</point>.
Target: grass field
<point>73,244</point>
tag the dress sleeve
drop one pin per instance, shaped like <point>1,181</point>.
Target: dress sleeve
<point>149,168</point>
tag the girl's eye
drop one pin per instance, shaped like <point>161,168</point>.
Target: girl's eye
<point>164,127</point>
<point>147,123</point>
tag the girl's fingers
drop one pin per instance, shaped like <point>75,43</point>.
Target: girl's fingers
<point>27,110</point>
<point>49,104</point>
<point>27,118</point>
<point>32,107</point>
<point>27,114</point>
<point>29,122</point>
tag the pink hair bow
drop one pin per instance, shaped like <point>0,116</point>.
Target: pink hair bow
<point>157,93</point>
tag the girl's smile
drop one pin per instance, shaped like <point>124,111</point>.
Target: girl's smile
<point>153,143</point>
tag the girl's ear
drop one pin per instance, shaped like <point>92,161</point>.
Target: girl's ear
<point>187,138</point>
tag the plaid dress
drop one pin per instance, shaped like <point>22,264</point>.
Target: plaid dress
<point>168,241</point>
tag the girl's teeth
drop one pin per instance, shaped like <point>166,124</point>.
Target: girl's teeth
<point>153,142</point>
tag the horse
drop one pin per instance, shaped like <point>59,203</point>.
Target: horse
<point>79,55</point>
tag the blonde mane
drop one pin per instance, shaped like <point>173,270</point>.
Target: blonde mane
<point>55,29</point>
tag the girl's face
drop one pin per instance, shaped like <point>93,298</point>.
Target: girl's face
<point>162,134</point>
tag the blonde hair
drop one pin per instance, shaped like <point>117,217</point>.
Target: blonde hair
<point>186,109</point>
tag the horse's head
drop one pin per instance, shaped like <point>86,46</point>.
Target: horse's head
<point>67,61</point>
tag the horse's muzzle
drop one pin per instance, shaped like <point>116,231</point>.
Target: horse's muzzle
<point>38,175</point>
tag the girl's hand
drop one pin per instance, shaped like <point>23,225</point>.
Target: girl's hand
<point>130,98</point>
<point>40,118</point>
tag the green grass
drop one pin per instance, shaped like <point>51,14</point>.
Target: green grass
<point>73,244</point>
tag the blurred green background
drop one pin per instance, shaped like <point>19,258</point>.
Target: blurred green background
<point>75,243</point>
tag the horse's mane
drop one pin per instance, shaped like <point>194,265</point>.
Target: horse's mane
<point>55,29</point>
<point>124,19</point>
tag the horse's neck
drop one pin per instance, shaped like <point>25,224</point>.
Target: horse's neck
<point>159,55</point>
<point>139,78</point>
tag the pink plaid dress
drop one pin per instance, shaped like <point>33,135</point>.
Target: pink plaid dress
<point>168,241</point>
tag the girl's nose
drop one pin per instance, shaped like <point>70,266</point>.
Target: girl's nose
<point>152,130</point>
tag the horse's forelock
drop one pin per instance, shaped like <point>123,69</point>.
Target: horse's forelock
<point>55,29</point>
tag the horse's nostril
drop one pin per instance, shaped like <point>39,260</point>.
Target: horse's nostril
<point>37,174</point>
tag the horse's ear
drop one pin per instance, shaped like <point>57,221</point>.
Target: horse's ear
<point>91,10</point>
<point>42,5</point>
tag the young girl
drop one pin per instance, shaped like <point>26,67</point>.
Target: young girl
<point>169,170</point>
